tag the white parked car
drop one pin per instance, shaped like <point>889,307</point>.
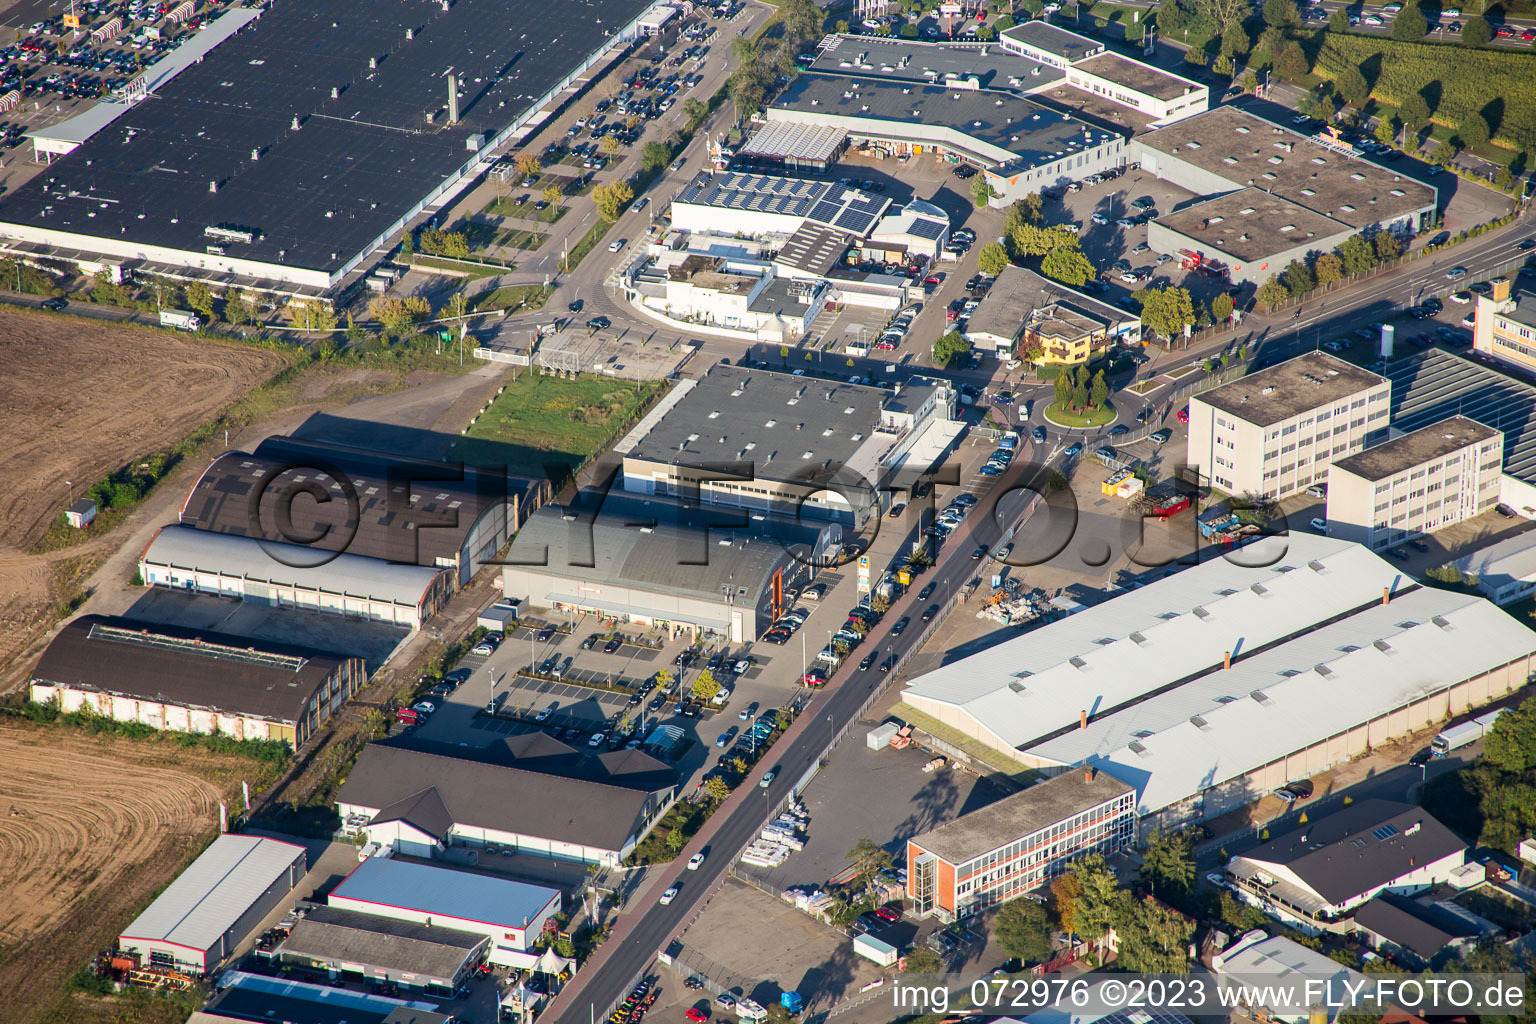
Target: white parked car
<point>596,740</point>
<point>695,861</point>
<point>669,896</point>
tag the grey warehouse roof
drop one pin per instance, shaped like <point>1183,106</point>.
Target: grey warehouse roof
<point>935,63</point>
<point>1133,74</point>
<point>1030,133</point>
<point>186,667</point>
<point>822,202</point>
<point>290,564</point>
<point>780,425</point>
<point>485,899</point>
<point>813,249</point>
<point>403,510</point>
<point>660,545</point>
<point>1288,389</point>
<point>1245,149</point>
<point>317,196</point>
<point>331,933</point>
<point>328,1006</point>
<point>1433,385</point>
<point>1251,225</point>
<point>208,898</point>
<point>1021,814</point>
<point>1354,850</point>
<point>562,794</point>
<point>1044,36</point>
<point>1420,929</point>
<point>1414,449</point>
<point>1018,293</point>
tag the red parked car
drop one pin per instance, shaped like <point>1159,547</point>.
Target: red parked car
<point>1184,415</point>
<point>815,677</point>
<point>888,914</point>
<point>696,1015</point>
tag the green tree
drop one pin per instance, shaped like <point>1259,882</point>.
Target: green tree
<point>315,315</point>
<point>908,31</point>
<point>1168,863</point>
<point>842,27</point>
<point>552,194</point>
<point>1250,82</point>
<point>1223,66</point>
<point>1095,910</point>
<point>1271,293</point>
<point>1386,129</point>
<point>527,165</point>
<point>1297,278</point>
<point>1281,13</point>
<point>1069,266</point>
<point>1414,111</point>
<point>1023,930</point>
<point>1153,938</point>
<point>1004,23</point>
<point>1387,246</point>
<point>1222,306</point>
<point>1327,269</point>
<point>611,199</point>
<point>1338,20</point>
<point>1291,63</point>
<point>694,113</point>
<point>1352,86</point>
<point>1080,389</point>
<point>1356,254</point>
<point>981,192</point>
<point>103,289</point>
<point>705,685</point>
<point>992,259</point>
<point>1063,389</point>
<point>1170,19</point>
<point>1473,131</point>
<point>923,960</point>
<point>654,156</point>
<point>677,839</point>
<point>1477,32</point>
<point>1409,26</point>
<point>201,300</point>
<point>1029,210</point>
<point>950,349</point>
<point>869,858</point>
<point>1098,392</point>
<point>717,788</point>
<point>1167,311</point>
<point>236,310</point>
<point>1067,896</point>
<point>398,315</point>
<point>986,33</point>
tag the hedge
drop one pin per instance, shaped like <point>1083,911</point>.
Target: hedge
<point>1469,80</point>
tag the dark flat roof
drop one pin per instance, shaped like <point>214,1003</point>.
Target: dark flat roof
<point>1045,36</point>
<point>1417,448</point>
<point>1433,385</point>
<point>186,667</point>
<point>813,249</point>
<point>319,195</point>
<point>331,933</point>
<point>1422,930</point>
<point>914,61</point>
<point>1032,133</point>
<point>1245,149</point>
<point>1251,224</point>
<point>1287,389</point>
<point>1019,815</point>
<point>398,509</point>
<point>267,1007</point>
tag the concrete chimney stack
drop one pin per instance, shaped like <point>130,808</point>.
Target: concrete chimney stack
<point>213,186</point>
<point>373,63</point>
<point>1089,773</point>
<point>453,99</point>
<point>255,155</point>
<point>335,92</point>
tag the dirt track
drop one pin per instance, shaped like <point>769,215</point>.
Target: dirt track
<point>78,399</point>
<point>85,836</point>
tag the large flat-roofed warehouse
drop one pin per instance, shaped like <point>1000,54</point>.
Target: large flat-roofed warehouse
<point>1227,148</point>
<point>395,509</point>
<point>305,142</point>
<point>258,999</point>
<point>187,681</point>
<point>1214,686</point>
<point>1432,386</point>
<point>201,917</point>
<point>293,576</point>
<point>366,947</point>
<point>1256,233</point>
<point>530,793</point>
<point>657,561</point>
<point>775,443</point>
<point>510,913</point>
<point>1021,146</point>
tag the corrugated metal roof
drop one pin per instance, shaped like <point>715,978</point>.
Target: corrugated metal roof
<point>208,898</point>
<point>1128,648</point>
<point>1452,637</point>
<point>290,565</point>
<point>500,902</point>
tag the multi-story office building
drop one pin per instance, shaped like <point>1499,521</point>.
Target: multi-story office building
<point>1017,844</point>
<point>1275,432</point>
<point>1414,484</point>
<point>1506,324</point>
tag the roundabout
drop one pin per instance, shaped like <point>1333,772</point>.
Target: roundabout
<point>1090,419</point>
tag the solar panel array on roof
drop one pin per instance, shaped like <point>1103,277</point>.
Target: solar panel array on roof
<point>831,204</point>
<point>924,228</point>
<point>1434,385</point>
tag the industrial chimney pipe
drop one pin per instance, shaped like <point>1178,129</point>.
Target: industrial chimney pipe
<point>453,98</point>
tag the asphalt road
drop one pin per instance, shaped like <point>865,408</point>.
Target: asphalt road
<point>649,929</point>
